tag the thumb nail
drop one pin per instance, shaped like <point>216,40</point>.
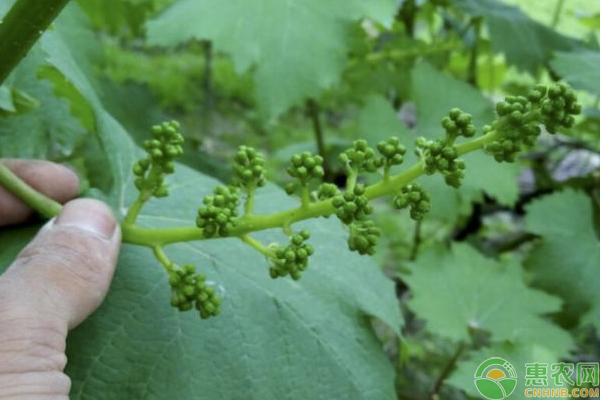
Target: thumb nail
<point>88,215</point>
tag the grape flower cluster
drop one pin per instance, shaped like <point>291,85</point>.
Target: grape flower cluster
<point>416,198</point>
<point>516,128</point>
<point>248,168</point>
<point>441,155</point>
<point>519,119</point>
<point>162,150</point>
<point>304,167</point>
<point>292,259</point>
<point>189,290</point>
<point>363,237</point>
<point>218,214</point>
<point>353,205</point>
<point>392,152</point>
<point>360,158</point>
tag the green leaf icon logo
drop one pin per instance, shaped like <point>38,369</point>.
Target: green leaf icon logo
<point>495,378</point>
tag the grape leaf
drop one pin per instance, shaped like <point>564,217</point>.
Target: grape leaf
<point>435,93</point>
<point>519,355</point>
<point>47,131</point>
<point>275,339</point>
<point>460,290</point>
<point>525,42</point>
<point>71,81</point>
<point>579,68</point>
<point>377,120</point>
<point>124,18</point>
<point>567,261</point>
<point>298,48</point>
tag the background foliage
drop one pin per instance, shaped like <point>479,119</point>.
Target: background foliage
<point>506,266</point>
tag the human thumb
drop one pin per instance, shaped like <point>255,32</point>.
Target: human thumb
<point>55,283</point>
<point>67,268</point>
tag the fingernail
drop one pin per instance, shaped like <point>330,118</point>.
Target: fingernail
<point>88,215</point>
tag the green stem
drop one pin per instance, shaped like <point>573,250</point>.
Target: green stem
<point>314,111</point>
<point>287,228</point>
<point>255,244</point>
<point>474,56</point>
<point>249,204</point>
<point>437,387</point>
<point>252,223</point>
<point>143,196</point>
<point>305,197</point>
<point>386,173</point>
<point>134,210</point>
<point>408,16</point>
<point>557,13</point>
<point>21,27</point>
<point>351,180</point>
<point>45,206</point>
<point>416,240</point>
<point>162,257</point>
<point>158,237</point>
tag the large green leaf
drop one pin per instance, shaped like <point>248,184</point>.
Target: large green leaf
<point>525,42</point>
<point>459,291</point>
<point>579,68</point>
<point>567,260</point>
<point>435,93</point>
<point>298,48</point>
<point>275,339</point>
<point>72,81</point>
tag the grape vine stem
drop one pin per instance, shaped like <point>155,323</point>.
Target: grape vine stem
<point>136,234</point>
<point>158,237</point>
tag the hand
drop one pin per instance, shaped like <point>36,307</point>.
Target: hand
<point>59,279</point>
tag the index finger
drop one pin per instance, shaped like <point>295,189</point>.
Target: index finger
<point>51,179</point>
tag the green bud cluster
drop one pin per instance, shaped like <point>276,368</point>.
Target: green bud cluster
<point>164,147</point>
<point>189,290</point>
<point>559,107</point>
<point>516,128</point>
<point>363,237</point>
<point>415,197</point>
<point>392,152</point>
<point>327,191</point>
<point>218,214</point>
<point>361,158</point>
<point>304,167</point>
<point>353,205</point>
<point>292,259</point>
<point>519,118</point>
<point>441,156</point>
<point>248,168</point>
<point>458,123</point>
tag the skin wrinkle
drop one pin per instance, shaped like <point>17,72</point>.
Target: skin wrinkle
<point>48,385</point>
<point>73,252</point>
<point>32,349</point>
<point>32,338</point>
